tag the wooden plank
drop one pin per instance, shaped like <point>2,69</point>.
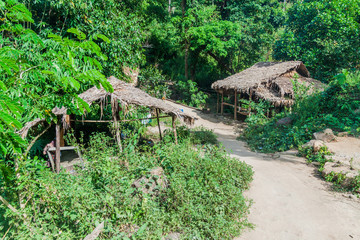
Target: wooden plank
<point>229,104</point>
<point>63,148</point>
<point>51,160</point>
<point>95,233</point>
<point>109,121</point>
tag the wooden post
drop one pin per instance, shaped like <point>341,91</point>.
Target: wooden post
<point>222,103</point>
<point>158,122</point>
<point>250,100</point>
<point>58,129</point>
<point>62,141</point>
<point>235,106</point>
<point>217,102</point>
<point>174,129</point>
<point>117,134</point>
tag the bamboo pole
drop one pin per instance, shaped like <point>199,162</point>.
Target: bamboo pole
<point>235,106</point>
<point>109,121</point>
<point>174,129</point>
<point>117,134</point>
<point>250,100</point>
<point>222,103</point>
<point>158,122</point>
<point>58,129</point>
<point>217,103</point>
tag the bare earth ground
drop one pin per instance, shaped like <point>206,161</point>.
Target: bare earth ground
<point>290,200</point>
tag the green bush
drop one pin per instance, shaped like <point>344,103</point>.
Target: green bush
<point>190,94</point>
<point>154,82</point>
<point>204,199</point>
<point>335,108</point>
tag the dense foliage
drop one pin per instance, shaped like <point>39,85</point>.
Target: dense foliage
<point>325,35</point>
<point>336,108</point>
<point>203,199</point>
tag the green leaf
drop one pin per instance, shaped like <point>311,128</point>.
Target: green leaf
<point>79,34</point>
<point>9,120</point>
<point>102,37</point>
<point>3,86</point>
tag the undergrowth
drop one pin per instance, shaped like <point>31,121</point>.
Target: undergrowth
<point>337,108</point>
<point>204,198</point>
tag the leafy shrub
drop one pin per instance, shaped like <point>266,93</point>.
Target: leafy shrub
<point>198,135</point>
<point>334,108</point>
<point>190,94</point>
<point>153,82</point>
<point>204,199</point>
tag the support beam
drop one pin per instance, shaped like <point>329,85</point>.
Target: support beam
<point>57,144</point>
<point>250,100</point>
<point>217,103</point>
<point>235,106</point>
<point>174,129</point>
<point>158,122</point>
<point>222,103</point>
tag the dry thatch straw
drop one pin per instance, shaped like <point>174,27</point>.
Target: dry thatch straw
<point>24,131</point>
<point>126,94</point>
<point>271,81</point>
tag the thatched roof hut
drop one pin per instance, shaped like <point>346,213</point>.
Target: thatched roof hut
<point>124,94</point>
<point>271,81</point>
<point>127,94</point>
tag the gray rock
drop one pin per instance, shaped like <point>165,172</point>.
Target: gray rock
<point>317,145</point>
<point>327,135</point>
<point>153,183</point>
<point>284,121</point>
<point>343,134</point>
<point>309,144</point>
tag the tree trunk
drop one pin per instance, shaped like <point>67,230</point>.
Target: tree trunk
<point>169,7</point>
<point>221,63</point>
<point>186,61</point>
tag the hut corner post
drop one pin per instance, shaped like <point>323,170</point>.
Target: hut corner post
<point>174,129</point>
<point>222,103</point>
<point>117,127</point>
<point>158,122</point>
<point>217,102</point>
<point>115,111</point>
<point>58,137</point>
<point>235,106</point>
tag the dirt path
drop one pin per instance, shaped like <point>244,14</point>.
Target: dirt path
<point>290,200</point>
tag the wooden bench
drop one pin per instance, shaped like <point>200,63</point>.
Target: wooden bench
<point>68,148</point>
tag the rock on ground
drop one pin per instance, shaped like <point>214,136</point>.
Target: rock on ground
<point>153,183</point>
<point>326,136</point>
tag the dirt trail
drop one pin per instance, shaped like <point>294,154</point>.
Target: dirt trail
<point>290,201</point>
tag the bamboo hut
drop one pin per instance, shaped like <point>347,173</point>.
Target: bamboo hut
<point>270,81</point>
<point>124,94</point>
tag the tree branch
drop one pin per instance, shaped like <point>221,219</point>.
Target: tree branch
<point>220,62</point>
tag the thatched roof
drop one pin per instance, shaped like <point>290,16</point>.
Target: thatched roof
<point>24,131</point>
<point>271,81</point>
<point>126,94</point>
